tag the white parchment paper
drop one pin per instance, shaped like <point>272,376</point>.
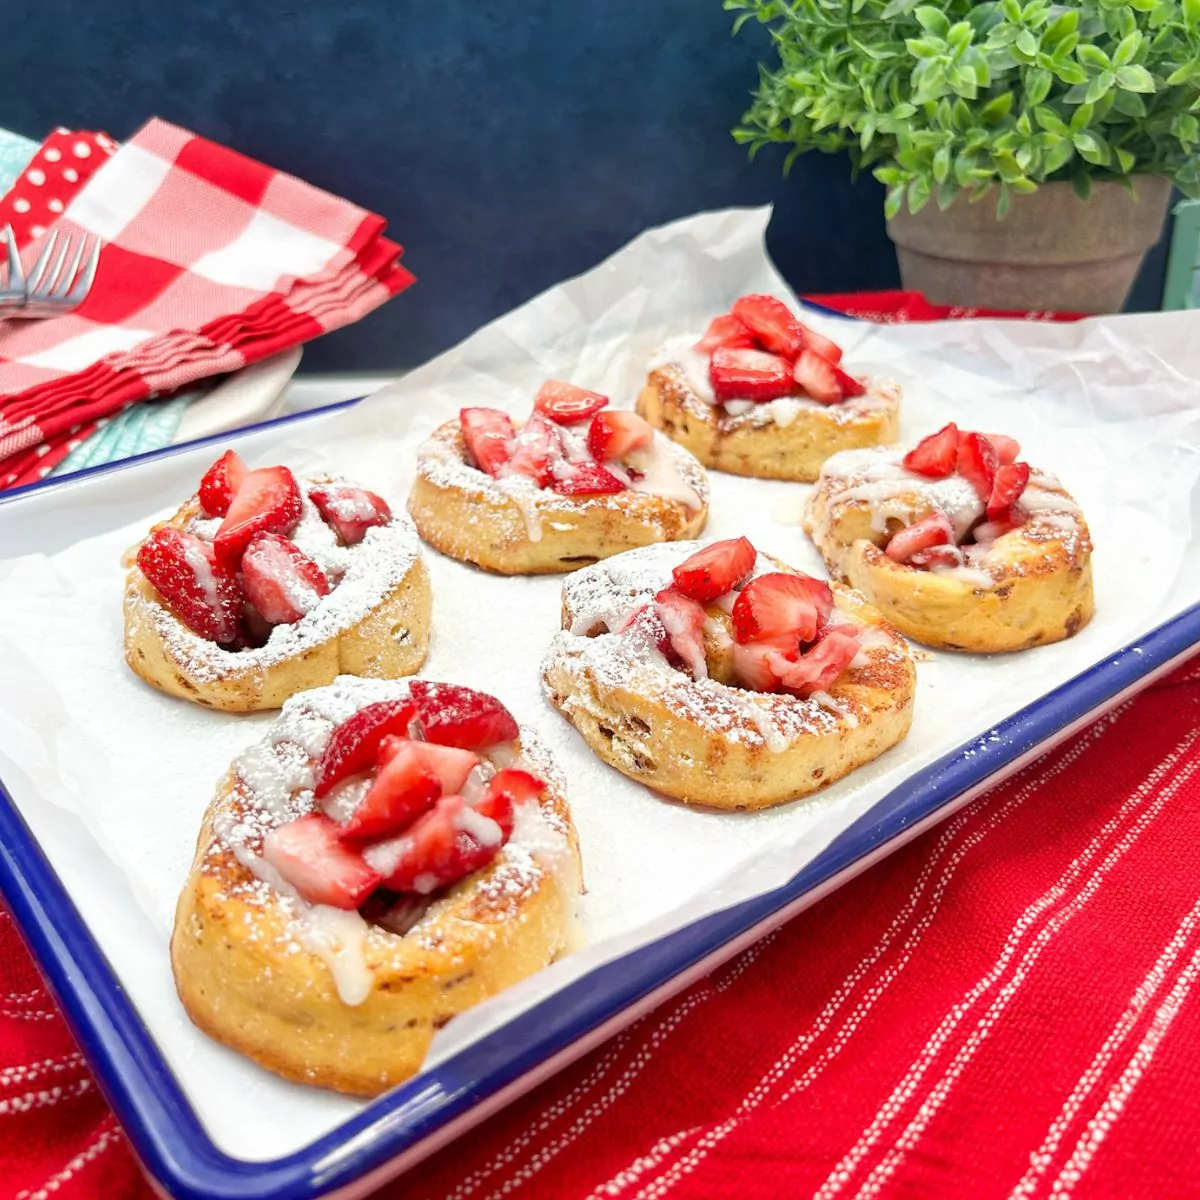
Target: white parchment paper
<point>1108,405</point>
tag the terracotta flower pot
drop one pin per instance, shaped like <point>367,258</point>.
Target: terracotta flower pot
<point>1052,250</point>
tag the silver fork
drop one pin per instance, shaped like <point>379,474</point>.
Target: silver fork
<point>57,283</point>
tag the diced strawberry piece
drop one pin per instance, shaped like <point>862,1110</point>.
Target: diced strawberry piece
<point>1007,489</point>
<point>1006,448</point>
<point>566,403</point>
<point>749,375</point>
<point>446,844</point>
<point>821,379</point>
<point>616,432</point>
<point>311,856</point>
<point>353,746</point>
<point>751,666</point>
<point>937,556</point>
<point>977,463</point>
<point>220,484</point>
<point>779,606</point>
<point>588,479</point>
<point>825,347</point>
<point>934,456</point>
<point>519,787</point>
<point>458,716</point>
<point>280,580</point>
<point>726,330</point>
<point>683,619</point>
<point>200,589</point>
<point>350,511</point>
<point>1012,518</point>
<point>933,530</point>
<point>819,668</point>
<point>715,570</point>
<point>534,451</point>
<point>488,434</point>
<point>850,386</point>
<point>772,323</point>
<point>267,502</point>
<point>449,765</point>
<point>403,788</point>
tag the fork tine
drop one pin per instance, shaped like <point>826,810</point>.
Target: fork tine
<point>65,280</point>
<point>16,277</point>
<point>83,284</point>
<point>43,262</point>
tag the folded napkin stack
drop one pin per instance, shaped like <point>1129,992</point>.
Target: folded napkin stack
<point>210,261</point>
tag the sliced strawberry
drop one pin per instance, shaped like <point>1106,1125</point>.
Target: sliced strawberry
<point>749,375</point>
<point>488,434</point>
<point>726,330</point>
<point>825,347</point>
<point>933,530</point>
<point>779,606</point>
<point>267,502</point>
<point>588,479</point>
<point>935,456</point>
<point>683,619</point>
<point>850,386</point>
<point>1006,448</point>
<point>817,669</point>
<point>353,746</point>
<point>458,716</point>
<point>977,463</point>
<point>937,556</point>
<point>446,844</point>
<point>821,379</point>
<point>1007,489</point>
<point>715,570</point>
<point>280,580</point>
<point>350,511</point>
<point>566,403</point>
<point>403,788</point>
<point>617,431</point>
<point>220,484</point>
<point>310,855</point>
<point>772,323</point>
<point>751,666</point>
<point>449,765</point>
<point>520,787</point>
<point>200,589</point>
<point>534,451</point>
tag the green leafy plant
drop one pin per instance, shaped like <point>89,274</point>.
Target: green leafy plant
<point>958,96</point>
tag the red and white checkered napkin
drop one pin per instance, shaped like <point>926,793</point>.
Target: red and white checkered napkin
<point>210,261</point>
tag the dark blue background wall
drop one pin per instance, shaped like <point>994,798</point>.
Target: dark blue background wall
<point>510,143</point>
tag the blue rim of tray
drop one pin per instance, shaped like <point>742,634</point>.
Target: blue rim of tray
<point>181,1156</point>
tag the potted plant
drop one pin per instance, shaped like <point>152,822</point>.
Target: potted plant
<point>1071,119</point>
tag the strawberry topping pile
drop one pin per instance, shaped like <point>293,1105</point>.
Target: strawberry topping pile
<point>988,462</point>
<point>251,576</point>
<point>786,637</point>
<point>411,803</point>
<point>572,442</point>
<point>760,351</point>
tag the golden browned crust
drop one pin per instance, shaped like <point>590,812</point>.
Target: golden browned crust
<point>766,451</point>
<point>464,516</point>
<point>1041,572</point>
<point>715,744</point>
<point>389,641</point>
<point>245,980</point>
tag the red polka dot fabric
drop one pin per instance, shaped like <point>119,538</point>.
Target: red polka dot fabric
<point>67,159</point>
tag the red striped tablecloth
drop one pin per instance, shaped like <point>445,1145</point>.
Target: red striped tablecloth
<point>1006,1007</point>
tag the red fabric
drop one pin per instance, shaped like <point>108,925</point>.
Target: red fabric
<point>896,307</point>
<point>210,261</point>
<point>1005,1007</point>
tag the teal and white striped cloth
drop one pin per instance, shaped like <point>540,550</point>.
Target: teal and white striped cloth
<point>141,428</point>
